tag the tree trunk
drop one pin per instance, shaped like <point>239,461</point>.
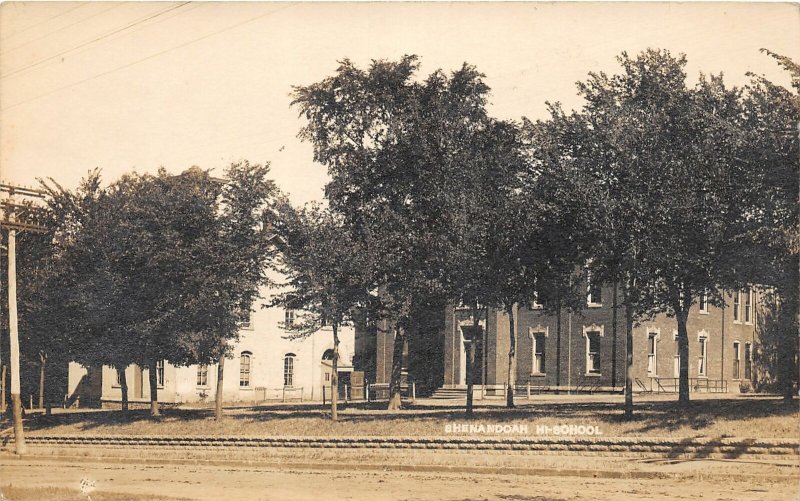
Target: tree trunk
<point>683,351</point>
<point>558,345</point>
<point>42,362</point>
<point>19,437</point>
<point>154,410</point>
<point>628,362</point>
<point>614,307</point>
<point>397,368</point>
<point>218,397</point>
<point>512,349</point>
<point>123,384</point>
<point>335,375</point>
<point>3,390</point>
<point>470,378</point>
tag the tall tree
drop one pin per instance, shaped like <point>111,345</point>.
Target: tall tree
<point>328,276</point>
<point>770,245</point>
<point>161,268</point>
<point>397,150</point>
<point>666,153</point>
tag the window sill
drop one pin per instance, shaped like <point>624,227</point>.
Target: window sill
<point>593,374</point>
<point>594,305</point>
<point>248,388</point>
<point>538,374</point>
<point>205,387</point>
<point>703,312</point>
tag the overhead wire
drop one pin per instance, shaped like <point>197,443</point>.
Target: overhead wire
<point>147,58</point>
<point>34,25</point>
<point>59,30</point>
<point>94,40</point>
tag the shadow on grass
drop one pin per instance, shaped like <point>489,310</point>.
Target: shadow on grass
<point>660,418</point>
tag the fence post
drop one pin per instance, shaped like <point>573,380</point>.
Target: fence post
<point>283,395</point>
<point>413,391</point>
<point>345,393</point>
<point>529,390</point>
<point>323,394</point>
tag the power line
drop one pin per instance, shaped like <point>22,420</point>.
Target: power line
<point>101,37</point>
<point>147,58</point>
<point>60,29</point>
<point>34,25</point>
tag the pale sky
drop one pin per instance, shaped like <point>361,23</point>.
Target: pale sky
<point>134,86</point>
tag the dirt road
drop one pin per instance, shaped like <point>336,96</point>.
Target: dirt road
<point>252,483</point>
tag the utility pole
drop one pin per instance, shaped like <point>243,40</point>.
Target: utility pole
<point>11,211</point>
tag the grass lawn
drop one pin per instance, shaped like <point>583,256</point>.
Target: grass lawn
<point>741,417</point>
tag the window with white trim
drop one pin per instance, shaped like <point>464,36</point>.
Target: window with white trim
<point>702,363</point>
<point>676,371</point>
<point>245,361</point>
<point>594,292</point>
<point>748,306</point>
<point>736,303</point>
<point>652,346</point>
<point>593,352</point>
<point>288,318</point>
<point>160,373</point>
<point>202,375</point>
<point>737,358</point>
<point>538,351</point>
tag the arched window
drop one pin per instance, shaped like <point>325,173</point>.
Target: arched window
<point>288,369</point>
<point>244,369</point>
<point>328,355</point>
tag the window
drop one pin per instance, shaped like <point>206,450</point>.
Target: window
<point>202,375</point>
<point>736,301</point>
<point>748,363</point>
<point>288,369</point>
<point>593,353</point>
<point>538,352</point>
<point>748,305</point>
<point>702,302</point>
<point>651,353</point>
<point>160,373</point>
<point>736,360</point>
<point>244,369</point>
<point>676,371</point>
<point>117,381</point>
<point>288,318</point>
<point>244,319</point>
<point>594,293</point>
<point>703,357</point>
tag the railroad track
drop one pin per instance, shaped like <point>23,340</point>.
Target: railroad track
<point>698,447</point>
